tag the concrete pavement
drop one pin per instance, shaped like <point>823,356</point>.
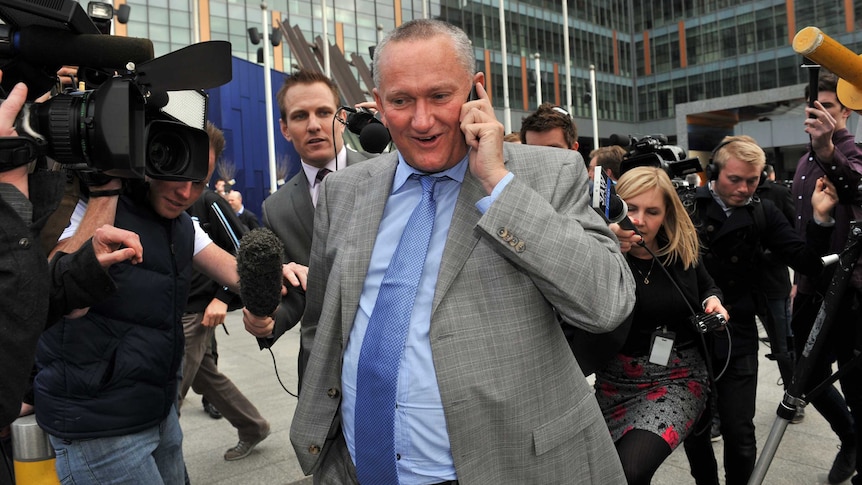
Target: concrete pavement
<point>804,456</point>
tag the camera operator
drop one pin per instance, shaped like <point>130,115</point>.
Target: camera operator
<point>833,146</point>
<point>107,381</point>
<point>735,228</point>
<point>32,292</point>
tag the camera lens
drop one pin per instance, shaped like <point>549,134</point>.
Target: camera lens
<point>168,154</point>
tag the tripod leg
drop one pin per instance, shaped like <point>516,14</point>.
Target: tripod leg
<point>811,352</point>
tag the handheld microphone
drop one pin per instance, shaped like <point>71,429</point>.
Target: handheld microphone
<point>812,43</point>
<point>608,204</point>
<point>373,136</point>
<point>258,263</point>
<point>47,46</point>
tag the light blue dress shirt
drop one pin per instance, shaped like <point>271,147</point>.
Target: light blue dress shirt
<point>421,439</point>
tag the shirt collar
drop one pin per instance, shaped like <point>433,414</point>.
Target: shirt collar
<point>403,172</point>
<point>337,163</point>
<point>726,208</point>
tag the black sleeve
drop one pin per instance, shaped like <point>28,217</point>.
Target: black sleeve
<point>706,286</point>
<point>77,281</point>
<point>784,202</point>
<point>287,315</point>
<point>783,241</point>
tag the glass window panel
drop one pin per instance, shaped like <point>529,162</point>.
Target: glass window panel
<point>159,16</point>
<point>748,78</point>
<point>730,81</point>
<point>768,77</point>
<point>789,72</point>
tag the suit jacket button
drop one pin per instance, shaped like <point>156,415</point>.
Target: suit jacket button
<point>734,259</point>
<point>514,241</point>
<point>503,232</point>
<point>520,247</point>
<point>332,393</point>
<point>314,449</point>
<point>24,242</point>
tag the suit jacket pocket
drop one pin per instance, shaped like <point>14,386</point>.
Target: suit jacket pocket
<point>566,427</point>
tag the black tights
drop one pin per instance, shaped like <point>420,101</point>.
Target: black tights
<point>641,453</point>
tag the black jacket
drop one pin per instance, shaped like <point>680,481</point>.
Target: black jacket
<point>732,250</point>
<point>775,283</point>
<point>34,293</point>
<point>114,371</point>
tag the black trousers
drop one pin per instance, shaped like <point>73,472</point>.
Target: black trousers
<point>737,391</point>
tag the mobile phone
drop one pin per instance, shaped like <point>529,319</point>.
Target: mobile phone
<point>473,96</point>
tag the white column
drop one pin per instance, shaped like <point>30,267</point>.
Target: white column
<point>507,112</point>
<point>593,106</point>
<point>566,54</point>
<point>266,29</point>
<point>537,57</point>
<point>325,40</point>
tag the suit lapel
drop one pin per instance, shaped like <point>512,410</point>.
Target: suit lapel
<point>300,199</point>
<point>363,232</point>
<point>462,236</point>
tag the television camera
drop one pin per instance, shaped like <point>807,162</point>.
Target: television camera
<point>135,115</point>
<point>654,151</point>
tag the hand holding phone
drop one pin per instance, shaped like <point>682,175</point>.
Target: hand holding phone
<point>484,135</point>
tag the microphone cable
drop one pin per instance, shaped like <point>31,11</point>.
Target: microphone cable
<point>334,119</point>
<point>278,377</point>
<point>710,371</point>
<point>694,313</point>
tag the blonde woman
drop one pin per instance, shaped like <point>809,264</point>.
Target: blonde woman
<point>654,390</point>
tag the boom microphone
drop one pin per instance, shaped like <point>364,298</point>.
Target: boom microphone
<point>47,46</point>
<point>812,43</point>
<point>258,263</point>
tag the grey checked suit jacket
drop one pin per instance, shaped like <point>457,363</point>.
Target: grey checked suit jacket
<point>289,213</point>
<point>518,408</point>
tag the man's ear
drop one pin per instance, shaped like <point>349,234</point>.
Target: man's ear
<point>284,131</point>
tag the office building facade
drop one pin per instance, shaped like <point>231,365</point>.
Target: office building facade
<point>694,70</point>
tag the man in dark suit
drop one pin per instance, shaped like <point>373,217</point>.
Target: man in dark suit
<point>247,217</point>
<point>308,102</point>
<point>488,391</point>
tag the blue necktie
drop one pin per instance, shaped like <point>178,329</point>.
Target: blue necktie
<point>383,345</point>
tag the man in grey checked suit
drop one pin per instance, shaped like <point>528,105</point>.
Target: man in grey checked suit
<point>308,102</point>
<point>508,403</point>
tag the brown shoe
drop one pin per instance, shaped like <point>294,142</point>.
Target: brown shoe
<point>243,448</point>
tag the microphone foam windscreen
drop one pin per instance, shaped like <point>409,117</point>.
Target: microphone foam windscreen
<point>258,262</point>
<point>374,138</point>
